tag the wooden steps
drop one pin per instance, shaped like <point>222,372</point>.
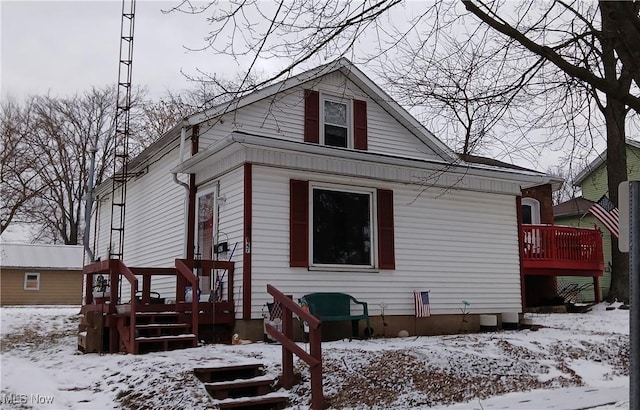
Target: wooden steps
<point>241,387</point>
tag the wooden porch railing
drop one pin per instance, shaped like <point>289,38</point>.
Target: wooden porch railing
<point>314,359</point>
<point>563,245</point>
<point>114,268</point>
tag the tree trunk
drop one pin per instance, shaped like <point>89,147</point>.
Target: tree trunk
<point>615,113</point>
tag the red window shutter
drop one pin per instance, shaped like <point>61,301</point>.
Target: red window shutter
<point>311,116</point>
<point>386,245</point>
<point>299,223</point>
<point>360,124</point>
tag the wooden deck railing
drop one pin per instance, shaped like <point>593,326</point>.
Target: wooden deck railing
<point>140,298</point>
<point>314,359</point>
<point>114,268</point>
<point>561,246</point>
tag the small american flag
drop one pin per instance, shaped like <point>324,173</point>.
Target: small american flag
<point>606,212</point>
<point>422,303</point>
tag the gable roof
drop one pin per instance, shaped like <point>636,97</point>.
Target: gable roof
<point>574,206</point>
<point>36,256</point>
<point>596,163</point>
<point>354,74</point>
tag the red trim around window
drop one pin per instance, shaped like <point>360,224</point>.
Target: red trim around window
<point>360,125</point>
<point>299,223</point>
<point>311,116</point>
<point>246,254</point>
<point>386,240</point>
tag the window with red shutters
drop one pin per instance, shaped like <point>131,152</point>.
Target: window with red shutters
<point>340,227</point>
<point>332,128</point>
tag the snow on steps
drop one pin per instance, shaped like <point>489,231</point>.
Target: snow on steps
<point>241,387</point>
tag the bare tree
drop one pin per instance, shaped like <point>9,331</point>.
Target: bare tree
<point>19,179</point>
<point>64,131</point>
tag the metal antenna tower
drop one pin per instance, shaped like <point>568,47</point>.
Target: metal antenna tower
<point>123,115</point>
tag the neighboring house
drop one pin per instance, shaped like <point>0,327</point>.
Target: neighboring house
<point>323,183</point>
<point>40,274</point>
<point>593,182</point>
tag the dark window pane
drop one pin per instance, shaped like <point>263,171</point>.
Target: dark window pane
<point>335,136</point>
<point>526,215</point>
<point>341,228</point>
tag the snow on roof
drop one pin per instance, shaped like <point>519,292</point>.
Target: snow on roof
<point>26,255</point>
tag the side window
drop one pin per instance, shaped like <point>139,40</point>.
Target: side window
<point>31,281</point>
<point>530,211</point>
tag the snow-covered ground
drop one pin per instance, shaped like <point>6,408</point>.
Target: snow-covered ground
<point>574,361</point>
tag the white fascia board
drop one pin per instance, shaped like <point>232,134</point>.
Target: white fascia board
<point>203,159</point>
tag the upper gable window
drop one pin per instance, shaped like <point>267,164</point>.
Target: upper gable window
<point>335,125</point>
<point>334,121</point>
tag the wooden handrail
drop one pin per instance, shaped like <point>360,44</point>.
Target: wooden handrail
<point>314,359</point>
<point>186,271</point>
<point>121,268</point>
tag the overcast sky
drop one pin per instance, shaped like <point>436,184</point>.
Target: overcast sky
<point>63,47</point>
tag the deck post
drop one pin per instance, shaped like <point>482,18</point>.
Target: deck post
<point>596,289</point>
<point>287,355</point>
<point>317,396</point>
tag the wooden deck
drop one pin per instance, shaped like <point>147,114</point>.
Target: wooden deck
<point>135,319</point>
<point>550,250</point>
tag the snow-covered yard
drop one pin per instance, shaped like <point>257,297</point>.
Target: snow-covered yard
<point>574,361</point>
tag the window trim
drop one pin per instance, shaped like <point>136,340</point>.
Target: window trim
<point>373,221</point>
<point>535,209</point>
<point>26,276</point>
<point>213,190</point>
<point>348,103</point>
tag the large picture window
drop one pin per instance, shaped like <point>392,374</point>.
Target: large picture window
<point>341,231</point>
<point>333,226</point>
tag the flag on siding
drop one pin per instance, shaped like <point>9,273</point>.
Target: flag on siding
<point>422,303</point>
<point>607,213</point>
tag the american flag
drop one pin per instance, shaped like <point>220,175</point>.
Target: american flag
<point>606,212</point>
<point>422,303</point>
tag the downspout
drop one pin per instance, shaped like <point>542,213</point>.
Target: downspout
<point>183,133</point>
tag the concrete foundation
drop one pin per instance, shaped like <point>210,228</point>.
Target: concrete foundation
<point>428,326</point>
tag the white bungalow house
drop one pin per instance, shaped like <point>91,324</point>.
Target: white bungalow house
<point>323,183</point>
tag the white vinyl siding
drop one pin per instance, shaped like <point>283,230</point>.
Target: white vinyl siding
<point>154,225</point>
<point>461,245</point>
<point>231,227</point>
<point>283,117</point>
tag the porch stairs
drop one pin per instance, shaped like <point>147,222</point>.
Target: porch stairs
<point>241,387</point>
<point>156,331</point>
